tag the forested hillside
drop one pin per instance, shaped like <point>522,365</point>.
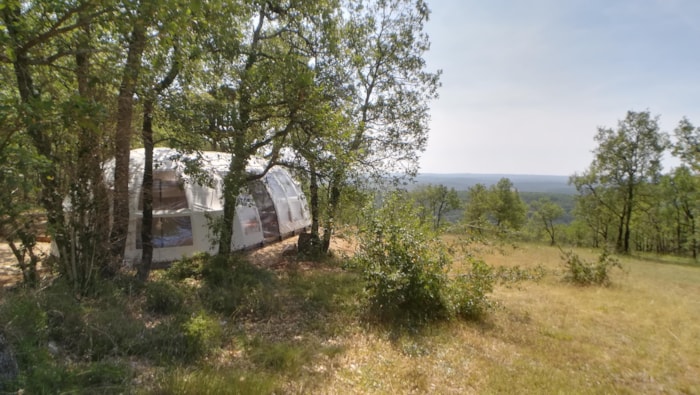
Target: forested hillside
<point>524,183</point>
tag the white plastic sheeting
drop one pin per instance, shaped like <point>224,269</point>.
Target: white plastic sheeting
<point>185,202</point>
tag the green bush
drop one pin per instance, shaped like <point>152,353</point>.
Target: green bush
<point>579,271</point>
<point>234,286</point>
<point>25,325</point>
<point>191,267</point>
<point>404,264</point>
<point>469,292</point>
<point>202,334</point>
<point>164,297</point>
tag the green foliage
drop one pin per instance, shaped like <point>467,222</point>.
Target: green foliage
<point>279,356</point>
<point>25,326</point>
<point>191,267</point>
<point>469,292</point>
<point>103,377</point>
<point>515,274</point>
<point>545,213</point>
<point>497,209</point>
<point>202,333</point>
<point>435,201</point>
<point>404,265</point>
<point>579,271</point>
<point>626,160</point>
<point>233,286</point>
<point>215,381</point>
<point>164,297</point>
<point>41,326</point>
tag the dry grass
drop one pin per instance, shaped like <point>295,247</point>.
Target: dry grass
<point>638,336</point>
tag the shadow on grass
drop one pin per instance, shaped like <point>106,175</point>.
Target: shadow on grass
<point>666,260</point>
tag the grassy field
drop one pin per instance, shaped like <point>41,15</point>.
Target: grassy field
<point>638,336</point>
<point>306,333</point>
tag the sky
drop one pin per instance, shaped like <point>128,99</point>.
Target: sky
<point>527,83</point>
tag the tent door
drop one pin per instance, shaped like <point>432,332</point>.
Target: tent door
<point>266,210</point>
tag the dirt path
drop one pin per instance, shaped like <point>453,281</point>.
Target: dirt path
<point>9,272</point>
<point>271,256</point>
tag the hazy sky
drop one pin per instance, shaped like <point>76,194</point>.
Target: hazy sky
<point>526,83</point>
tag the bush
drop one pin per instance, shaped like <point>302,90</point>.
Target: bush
<point>202,333</point>
<point>234,286</point>
<point>581,272</point>
<point>191,267</point>
<point>164,297</point>
<point>403,263</point>
<point>25,326</point>
<point>469,292</point>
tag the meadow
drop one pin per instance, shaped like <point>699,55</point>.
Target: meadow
<point>300,327</point>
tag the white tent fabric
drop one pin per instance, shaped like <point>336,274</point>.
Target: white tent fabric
<point>187,197</point>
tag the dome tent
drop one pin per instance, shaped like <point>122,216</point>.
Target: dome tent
<point>185,202</point>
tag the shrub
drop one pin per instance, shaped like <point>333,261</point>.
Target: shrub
<point>234,286</point>
<point>202,333</point>
<point>579,271</point>
<point>25,325</point>
<point>164,297</point>
<point>469,292</point>
<point>402,262</point>
<point>191,267</point>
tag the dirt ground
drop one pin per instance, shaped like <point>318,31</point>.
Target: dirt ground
<point>277,255</point>
<point>9,272</point>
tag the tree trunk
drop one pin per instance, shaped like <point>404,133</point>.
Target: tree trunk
<point>628,219</point>
<point>147,194</point>
<point>333,202</point>
<point>313,191</point>
<point>147,184</point>
<point>122,139</point>
<point>233,183</point>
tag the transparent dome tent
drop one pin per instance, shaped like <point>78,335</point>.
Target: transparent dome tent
<point>185,203</point>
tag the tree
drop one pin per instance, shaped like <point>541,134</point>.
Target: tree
<point>626,159</point>
<point>499,206</point>
<point>477,207</point>
<point>267,99</point>
<point>687,146</point>
<point>545,212</point>
<point>591,213</point>
<point>435,201</point>
<point>50,47</point>
<point>387,91</point>
<point>684,191</point>
<point>507,210</point>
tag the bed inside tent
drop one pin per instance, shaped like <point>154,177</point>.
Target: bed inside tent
<point>185,203</point>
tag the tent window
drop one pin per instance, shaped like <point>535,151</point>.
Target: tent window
<point>168,232</point>
<point>168,192</point>
<point>266,210</point>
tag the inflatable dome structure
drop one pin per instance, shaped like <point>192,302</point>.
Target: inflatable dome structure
<point>185,202</point>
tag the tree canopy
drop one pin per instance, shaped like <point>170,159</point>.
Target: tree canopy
<point>338,90</point>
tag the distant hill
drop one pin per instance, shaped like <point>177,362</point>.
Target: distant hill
<point>524,183</point>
